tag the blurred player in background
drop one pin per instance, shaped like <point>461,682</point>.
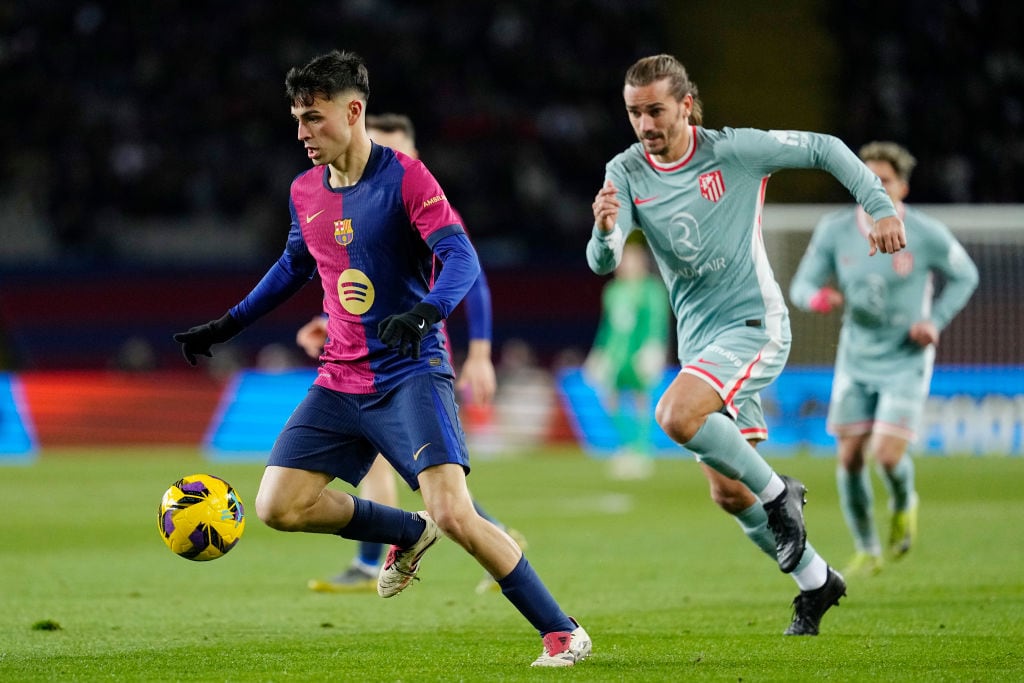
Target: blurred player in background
<point>891,326</point>
<point>476,382</point>
<point>697,196</point>
<point>371,222</point>
<point>628,357</point>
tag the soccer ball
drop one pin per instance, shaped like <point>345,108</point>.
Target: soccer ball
<point>201,517</point>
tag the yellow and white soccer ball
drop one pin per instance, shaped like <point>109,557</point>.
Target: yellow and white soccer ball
<point>201,517</point>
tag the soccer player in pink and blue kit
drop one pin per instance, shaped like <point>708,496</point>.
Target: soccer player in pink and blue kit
<point>371,222</point>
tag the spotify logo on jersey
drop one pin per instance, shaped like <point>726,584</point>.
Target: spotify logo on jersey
<point>355,291</point>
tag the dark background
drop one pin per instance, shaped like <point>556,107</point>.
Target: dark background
<point>147,148</point>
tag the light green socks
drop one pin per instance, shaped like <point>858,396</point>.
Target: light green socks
<point>721,446</point>
<point>809,574</point>
<point>900,483</point>
<point>856,500</point>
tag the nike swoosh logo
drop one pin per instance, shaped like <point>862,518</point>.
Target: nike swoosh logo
<point>423,323</point>
<point>638,201</point>
<point>706,362</point>
<point>309,219</point>
<point>416,455</point>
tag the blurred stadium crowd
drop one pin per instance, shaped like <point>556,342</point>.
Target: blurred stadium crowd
<point>139,131</point>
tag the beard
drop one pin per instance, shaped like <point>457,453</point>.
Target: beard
<point>655,144</point>
<point>661,142</point>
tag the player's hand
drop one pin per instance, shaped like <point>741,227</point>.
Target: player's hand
<point>887,235</point>
<point>477,379</point>
<point>606,207</point>
<point>198,340</point>
<point>923,333</point>
<point>404,331</point>
<point>312,336</point>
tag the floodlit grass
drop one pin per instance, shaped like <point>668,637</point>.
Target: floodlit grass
<point>667,586</point>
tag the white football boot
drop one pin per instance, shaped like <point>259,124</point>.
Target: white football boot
<point>401,565</point>
<point>564,649</point>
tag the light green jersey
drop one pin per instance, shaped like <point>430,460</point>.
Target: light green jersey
<point>634,324</point>
<point>702,220</point>
<point>885,294</point>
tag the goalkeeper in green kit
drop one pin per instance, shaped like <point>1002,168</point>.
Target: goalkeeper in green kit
<point>627,360</point>
<point>697,196</point>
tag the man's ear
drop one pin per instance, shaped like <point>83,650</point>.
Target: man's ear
<point>355,109</point>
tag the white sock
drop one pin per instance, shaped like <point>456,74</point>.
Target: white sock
<point>772,489</point>
<point>812,576</point>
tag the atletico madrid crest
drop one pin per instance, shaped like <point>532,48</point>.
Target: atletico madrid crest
<point>343,233</point>
<point>903,263</point>
<point>712,186</point>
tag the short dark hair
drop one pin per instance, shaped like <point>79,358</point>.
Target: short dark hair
<point>392,123</point>
<point>326,76</point>
<point>659,67</point>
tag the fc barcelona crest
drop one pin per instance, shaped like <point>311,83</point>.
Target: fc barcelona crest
<point>343,233</point>
<point>712,186</point>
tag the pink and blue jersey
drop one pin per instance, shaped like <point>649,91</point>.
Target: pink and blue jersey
<point>374,246</point>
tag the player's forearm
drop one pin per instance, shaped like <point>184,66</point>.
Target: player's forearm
<point>604,250</point>
<point>479,349</point>
<point>864,185</point>
<point>955,295</point>
<point>478,309</point>
<point>461,269</point>
<point>282,281</point>
<point>804,288</point>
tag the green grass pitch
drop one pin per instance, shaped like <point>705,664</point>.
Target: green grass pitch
<point>666,584</point>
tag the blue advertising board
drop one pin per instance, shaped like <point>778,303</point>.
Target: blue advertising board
<point>975,410</point>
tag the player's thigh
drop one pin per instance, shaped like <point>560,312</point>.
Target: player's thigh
<point>379,483</point>
<point>738,364</point>
<point>445,494</point>
<point>287,487</point>
<point>416,425</point>
<point>851,408</point>
<point>684,405</point>
<point>324,434</point>
<point>900,410</point>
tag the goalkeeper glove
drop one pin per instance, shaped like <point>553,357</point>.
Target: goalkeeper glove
<point>198,340</point>
<point>405,331</point>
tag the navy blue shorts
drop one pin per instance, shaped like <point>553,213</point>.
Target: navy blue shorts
<point>414,425</point>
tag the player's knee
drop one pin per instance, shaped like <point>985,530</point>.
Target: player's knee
<point>675,421</point>
<point>449,522</point>
<point>275,512</point>
<point>454,522</point>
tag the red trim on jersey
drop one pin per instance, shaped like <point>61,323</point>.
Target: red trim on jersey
<point>759,215</point>
<point>685,160</point>
<point>872,426</point>
<point>704,373</point>
<point>759,433</point>
<point>739,383</point>
<point>890,429</point>
<point>760,200</point>
<point>850,428</point>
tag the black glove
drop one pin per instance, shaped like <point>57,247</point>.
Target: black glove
<point>198,340</point>
<point>405,331</point>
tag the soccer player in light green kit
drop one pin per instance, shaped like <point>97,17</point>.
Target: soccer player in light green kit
<point>891,325</point>
<point>628,356</point>
<point>697,195</point>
